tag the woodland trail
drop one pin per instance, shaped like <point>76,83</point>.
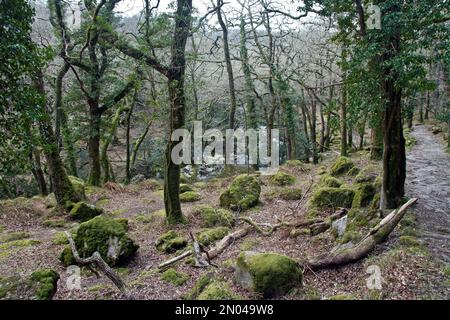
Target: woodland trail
<point>428,179</point>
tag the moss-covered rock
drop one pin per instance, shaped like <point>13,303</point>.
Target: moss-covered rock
<point>45,283</point>
<point>332,182</point>
<point>189,196</point>
<point>185,188</point>
<point>40,285</point>
<point>217,290</point>
<point>107,236</point>
<point>269,274</point>
<point>54,223</point>
<point>341,166</point>
<point>209,236</point>
<point>242,194</point>
<point>367,174</point>
<point>170,242</point>
<point>364,195</point>
<point>333,197</point>
<point>282,179</point>
<point>79,186</point>
<point>286,193</point>
<point>212,217</point>
<point>174,277</point>
<point>198,287</point>
<point>83,211</point>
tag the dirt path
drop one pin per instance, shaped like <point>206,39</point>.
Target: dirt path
<point>429,180</point>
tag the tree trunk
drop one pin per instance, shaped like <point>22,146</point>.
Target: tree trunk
<point>62,186</point>
<point>58,102</point>
<point>226,51</point>
<point>94,145</point>
<point>176,76</point>
<point>313,132</point>
<point>38,173</point>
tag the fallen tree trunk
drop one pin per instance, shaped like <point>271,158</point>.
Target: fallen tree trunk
<point>376,235</point>
<point>97,260</point>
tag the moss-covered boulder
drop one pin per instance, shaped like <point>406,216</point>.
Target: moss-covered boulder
<point>364,195</point>
<point>212,217</point>
<point>170,242</point>
<point>286,193</point>
<point>185,188</point>
<point>174,277</point>
<point>269,274</point>
<point>107,236</point>
<point>367,174</point>
<point>242,194</point>
<point>217,290</point>
<point>341,166</point>
<point>189,196</point>
<point>79,186</point>
<point>209,236</point>
<point>83,211</point>
<point>40,285</point>
<point>332,182</point>
<point>332,197</point>
<point>282,179</point>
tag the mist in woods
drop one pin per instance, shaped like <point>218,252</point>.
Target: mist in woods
<point>224,150</point>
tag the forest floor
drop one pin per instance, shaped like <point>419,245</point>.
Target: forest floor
<point>409,269</point>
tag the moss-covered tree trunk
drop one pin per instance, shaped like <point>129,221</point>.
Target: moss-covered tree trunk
<point>94,144</point>
<point>343,111</point>
<point>394,155</point>
<point>62,187</point>
<point>38,173</point>
<point>376,138</point>
<point>176,77</point>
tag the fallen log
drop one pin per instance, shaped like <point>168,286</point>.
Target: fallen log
<point>376,235</point>
<point>98,261</point>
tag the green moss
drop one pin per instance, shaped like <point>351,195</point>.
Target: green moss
<point>217,290</point>
<point>189,196</point>
<point>60,238</point>
<point>375,205</point>
<point>242,194</point>
<point>78,186</point>
<point>105,235</point>
<point>199,286</point>
<point>321,171</point>
<point>102,202</point>
<point>13,236</point>
<point>287,193</point>
<point>83,211</point>
<point>269,274</point>
<point>409,241</point>
<point>185,188</point>
<point>8,287</point>
<point>50,201</point>
<point>2,228</point>
<point>170,242</point>
<point>353,171</point>
<point>212,217</point>
<point>364,195</point>
<point>341,166</point>
<point>332,197</point>
<point>54,223</point>
<point>174,277</point>
<point>294,163</point>
<point>281,179</point>
<point>45,281</point>
<point>5,248</point>
<point>350,236</point>
<point>144,218</point>
<point>209,236</point>
<point>367,174</point>
<point>249,244</point>
<point>329,181</point>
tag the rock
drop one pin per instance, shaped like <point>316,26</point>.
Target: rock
<point>40,285</point>
<point>341,166</point>
<point>340,225</point>
<point>83,211</point>
<point>281,179</point>
<point>212,217</point>
<point>242,194</point>
<point>436,129</point>
<point>333,197</point>
<point>189,196</point>
<point>137,179</point>
<point>107,236</point>
<point>209,236</point>
<point>367,174</point>
<point>170,242</point>
<point>269,274</point>
<point>217,290</point>
<point>364,195</point>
